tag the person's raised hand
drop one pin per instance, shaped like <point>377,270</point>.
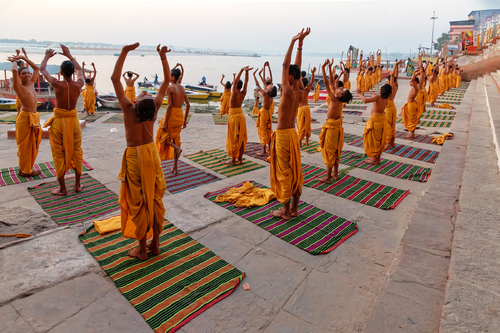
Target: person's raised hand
<point>313,70</point>
<point>65,51</point>
<point>49,53</point>
<point>130,47</point>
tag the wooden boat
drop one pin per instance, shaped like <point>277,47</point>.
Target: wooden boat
<point>210,89</point>
<point>190,94</point>
<point>109,101</point>
<point>10,104</point>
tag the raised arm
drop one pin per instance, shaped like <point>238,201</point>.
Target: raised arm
<point>79,73</point>
<point>179,81</point>
<point>95,72</point>
<point>262,77</point>
<point>166,75</point>
<point>270,72</point>
<point>34,77</point>
<point>43,66</point>
<point>222,78</point>
<point>287,61</point>
<point>309,86</point>
<point>15,74</point>
<point>125,103</point>
<point>234,87</point>
<point>245,84</point>
<point>298,55</point>
<point>325,79</point>
<point>257,82</point>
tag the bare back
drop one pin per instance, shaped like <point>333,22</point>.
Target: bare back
<point>176,94</point>
<point>268,101</point>
<point>305,96</point>
<point>130,82</point>
<point>334,108</point>
<point>412,94</point>
<point>236,99</point>
<point>137,134</point>
<point>395,87</point>
<point>289,105</point>
<point>62,95</point>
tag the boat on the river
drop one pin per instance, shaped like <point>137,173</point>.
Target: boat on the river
<point>109,101</point>
<point>10,104</point>
<point>207,89</point>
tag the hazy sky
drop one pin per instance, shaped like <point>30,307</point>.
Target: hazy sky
<point>259,26</point>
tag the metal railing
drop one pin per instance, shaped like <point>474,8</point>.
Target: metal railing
<point>486,37</point>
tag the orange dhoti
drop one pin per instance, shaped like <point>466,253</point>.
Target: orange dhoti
<point>391,115</point>
<point>304,122</point>
<point>264,126</point>
<point>347,85</point>
<point>286,172</point>
<point>28,138</point>
<point>65,141</point>
<point>141,191</point>
<point>88,95</point>
<point>432,94</point>
<point>236,138</point>
<point>420,103</point>
<point>331,141</point>
<point>374,135</point>
<point>130,93</point>
<point>173,134</point>
<point>410,116</point>
<point>224,102</point>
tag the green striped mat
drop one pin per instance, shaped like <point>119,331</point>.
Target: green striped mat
<point>170,289</point>
<point>91,118</point>
<point>437,117</point>
<point>312,148</point>
<point>443,124</point>
<point>439,112</point>
<point>220,121</point>
<point>93,201</point>
<point>355,189</point>
<point>116,118</point>
<point>313,230</point>
<point>214,160</point>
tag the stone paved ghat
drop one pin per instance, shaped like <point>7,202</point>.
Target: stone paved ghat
<point>426,265</point>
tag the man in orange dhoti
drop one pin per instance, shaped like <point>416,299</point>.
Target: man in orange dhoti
<point>346,79</point>
<point>236,138</point>
<point>89,93</point>
<point>390,110</point>
<point>286,172</point>
<point>267,82</point>
<point>374,134</point>
<point>226,95</point>
<point>168,135</point>
<point>432,93</point>
<point>264,122</point>
<point>65,132</point>
<point>28,129</point>
<point>141,175</point>
<point>130,78</point>
<point>316,93</point>
<point>332,133</point>
<point>256,97</point>
<point>304,112</point>
<point>409,110</point>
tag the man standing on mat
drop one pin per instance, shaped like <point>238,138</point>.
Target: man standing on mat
<point>65,131</point>
<point>286,172</point>
<point>264,121</point>
<point>304,112</point>
<point>143,182</point>
<point>28,129</point>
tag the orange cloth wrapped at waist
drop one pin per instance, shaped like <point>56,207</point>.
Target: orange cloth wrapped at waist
<point>347,85</point>
<point>130,93</point>
<point>255,110</point>
<point>348,64</point>
<point>410,116</point>
<point>264,126</point>
<point>141,191</point>
<point>420,103</point>
<point>28,138</point>
<point>224,102</point>
<point>65,141</point>
<point>88,95</point>
<point>286,172</point>
<point>304,122</point>
<point>441,84</point>
<point>331,140</point>
<point>247,196</point>
<point>272,108</point>
<point>173,134</point>
<point>459,81</point>
<point>316,93</point>
<point>391,116</point>
<point>432,93</point>
<point>18,104</point>
<point>374,135</point>
<point>236,138</point>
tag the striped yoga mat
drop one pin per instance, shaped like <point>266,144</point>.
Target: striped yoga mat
<point>449,98</point>
<point>437,116</point>
<point>355,102</point>
<point>94,200</point>
<point>170,289</point>
<point>313,230</point>
<point>9,176</point>
<point>214,160</point>
<point>418,137</point>
<point>91,118</point>
<point>321,110</point>
<point>188,177</point>
<point>253,149</point>
<point>355,189</point>
<point>355,107</point>
<point>439,112</point>
<point>443,124</point>
<point>312,148</point>
<point>352,113</point>
<point>387,167</point>
<point>116,118</point>
<point>440,101</point>
<point>220,121</point>
<point>419,154</point>
<point>254,117</point>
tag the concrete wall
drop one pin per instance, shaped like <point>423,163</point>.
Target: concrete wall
<point>478,65</point>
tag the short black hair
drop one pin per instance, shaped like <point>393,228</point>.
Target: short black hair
<point>303,73</point>
<point>347,71</point>
<point>346,96</point>
<point>228,85</point>
<point>176,72</point>
<point>340,84</point>
<point>305,81</point>
<point>239,85</point>
<point>19,62</point>
<point>417,80</point>
<point>370,69</point>
<point>294,71</point>
<point>389,78</point>
<point>273,92</point>
<point>385,91</point>
<point>87,80</point>
<point>129,74</point>
<point>19,71</point>
<point>145,110</point>
<point>68,68</point>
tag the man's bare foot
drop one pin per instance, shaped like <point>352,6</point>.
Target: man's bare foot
<point>335,176</point>
<point>370,161</point>
<point>78,188</point>
<point>325,180</point>
<point>57,191</point>
<point>387,147</point>
<point>136,252</point>
<point>230,162</point>
<point>293,213</point>
<point>175,172</point>
<point>155,248</point>
<point>411,135</point>
<point>32,174</point>
<point>240,162</point>
<point>281,213</point>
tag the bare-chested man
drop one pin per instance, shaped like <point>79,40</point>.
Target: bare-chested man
<point>143,182</point>
<point>304,112</point>
<point>168,135</point>
<point>286,172</point>
<point>432,93</point>
<point>65,131</point>
<point>374,134</point>
<point>130,78</point>
<point>410,111</point>
<point>236,138</point>
<point>391,110</point>
<point>89,93</point>
<point>226,95</point>
<point>264,122</point>
<point>332,133</point>
<point>28,129</point>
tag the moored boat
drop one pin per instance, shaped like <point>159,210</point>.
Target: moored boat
<point>210,89</point>
<point>10,104</point>
<point>109,101</point>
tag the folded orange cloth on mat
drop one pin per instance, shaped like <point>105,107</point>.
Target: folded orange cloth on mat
<point>440,139</point>
<point>247,196</point>
<point>445,106</point>
<point>108,225</point>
